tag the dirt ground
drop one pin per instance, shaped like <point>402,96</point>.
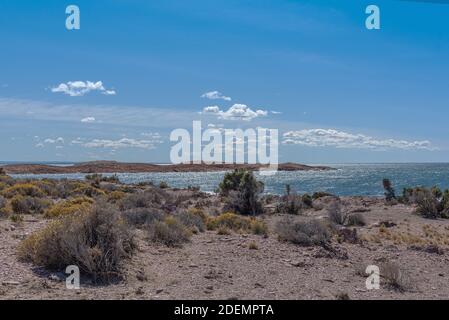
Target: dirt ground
<point>214,266</point>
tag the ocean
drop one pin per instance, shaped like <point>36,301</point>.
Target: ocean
<point>347,179</point>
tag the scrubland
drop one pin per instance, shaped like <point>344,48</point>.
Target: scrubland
<point>151,241</point>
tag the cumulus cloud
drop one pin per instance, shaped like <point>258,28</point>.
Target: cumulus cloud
<point>80,88</point>
<point>340,139</point>
<point>88,120</point>
<point>236,112</point>
<point>215,95</point>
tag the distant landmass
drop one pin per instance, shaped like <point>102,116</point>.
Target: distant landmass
<point>122,167</point>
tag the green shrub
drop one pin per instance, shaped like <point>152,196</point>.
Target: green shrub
<point>321,194</point>
<point>389,191</point>
<point>163,185</point>
<point>307,200</point>
<point>98,241</point>
<point>246,198</point>
<point>231,181</point>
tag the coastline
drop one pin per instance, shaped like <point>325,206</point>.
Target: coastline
<point>122,167</point>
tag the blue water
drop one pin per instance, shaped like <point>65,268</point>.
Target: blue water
<point>351,179</point>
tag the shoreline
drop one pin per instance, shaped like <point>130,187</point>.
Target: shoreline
<point>123,167</point>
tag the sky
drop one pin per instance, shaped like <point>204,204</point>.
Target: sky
<point>136,70</point>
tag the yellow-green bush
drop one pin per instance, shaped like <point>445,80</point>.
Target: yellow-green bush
<point>69,207</point>
<point>237,223</point>
<point>88,191</point>
<point>116,196</point>
<point>23,189</point>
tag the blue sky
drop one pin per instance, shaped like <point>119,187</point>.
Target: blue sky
<point>336,91</point>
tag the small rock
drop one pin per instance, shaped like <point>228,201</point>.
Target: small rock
<point>300,264</point>
<point>159,291</point>
<point>10,283</point>
<point>139,291</point>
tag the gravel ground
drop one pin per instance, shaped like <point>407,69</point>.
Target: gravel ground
<point>216,266</point>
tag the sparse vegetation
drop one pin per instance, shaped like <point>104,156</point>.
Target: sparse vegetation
<point>96,240</point>
<point>170,232</point>
<point>23,189</point>
<point>237,223</point>
<point>335,213</point>
<point>69,207</point>
<point>430,203</point>
<point>308,233</point>
<point>290,202</point>
<point>394,276</point>
<point>29,205</point>
<point>356,219</point>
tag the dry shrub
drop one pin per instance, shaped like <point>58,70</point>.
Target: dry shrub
<point>253,246</point>
<point>69,207</point>
<point>237,223</point>
<point>29,205</point>
<point>356,219</point>
<point>139,217</point>
<point>192,220</point>
<point>307,233</point>
<point>259,227</point>
<point>170,232</point>
<point>427,204</point>
<point>394,276</point>
<point>98,241</point>
<point>335,213</point>
<point>290,203</point>
<point>148,199</point>
<point>23,189</point>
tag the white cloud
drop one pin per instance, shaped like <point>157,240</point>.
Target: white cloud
<point>211,109</point>
<point>59,140</point>
<point>88,120</point>
<point>236,112</point>
<point>80,88</point>
<point>121,143</point>
<point>340,139</point>
<point>215,95</point>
